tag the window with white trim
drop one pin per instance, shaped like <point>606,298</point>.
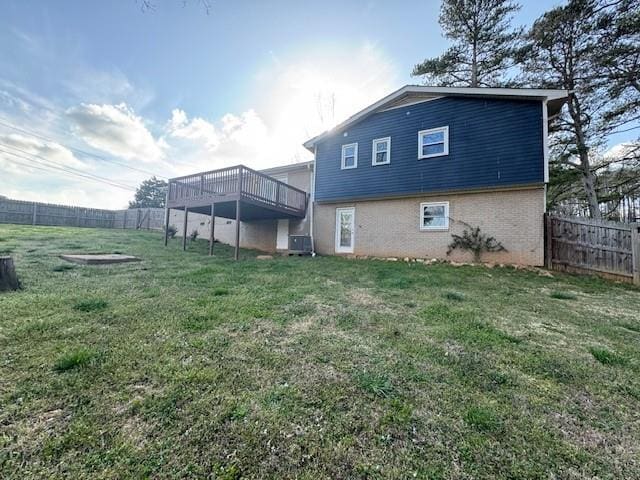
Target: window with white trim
<point>349,156</point>
<point>434,216</point>
<point>381,151</point>
<point>433,142</point>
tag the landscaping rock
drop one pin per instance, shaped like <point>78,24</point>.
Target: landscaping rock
<point>264,257</point>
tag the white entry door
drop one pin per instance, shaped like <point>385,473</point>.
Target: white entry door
<point>345,229</point>
<point>282,237</point>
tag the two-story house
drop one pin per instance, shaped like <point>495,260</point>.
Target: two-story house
<point>396,179</point>
<point>399,177</point>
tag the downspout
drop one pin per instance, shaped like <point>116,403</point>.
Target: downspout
<point>312,201</point>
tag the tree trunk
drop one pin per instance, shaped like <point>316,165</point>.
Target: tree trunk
<point>588,182</point>
<point>8,278</point>
<point>588,179</point>
<point>474,66</point>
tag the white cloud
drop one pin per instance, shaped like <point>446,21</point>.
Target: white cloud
<point>291,101</point>
<point>200,144</point>
<point>622,150</point>
<point>295,101</point>
<point>116,130</point>
<point>22,145</point>
<point>197,130</point>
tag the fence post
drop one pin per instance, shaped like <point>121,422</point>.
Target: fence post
<point>548,230</point>
<point>124,220</point>
<point>138,219</point>
<point>35,214</point>
<point>635,252</point>
<point>77,217</point>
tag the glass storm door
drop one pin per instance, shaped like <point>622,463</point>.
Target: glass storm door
<point>345,229</point>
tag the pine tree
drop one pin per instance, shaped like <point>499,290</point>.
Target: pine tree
<point>560,53</point>
<point>150,194</point>
<point>617,54</point>
<point>483,44</point>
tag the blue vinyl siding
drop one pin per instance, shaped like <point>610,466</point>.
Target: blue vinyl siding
<point>492,143</point>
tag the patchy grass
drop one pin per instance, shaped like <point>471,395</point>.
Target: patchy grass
<point>73,359</point>
<point>377,384</point>
<point>606,356</point>
<point>190,366</point>
<point>63,268</point>
<point>482,419</point>
<point>562,295</point>
<point>91,305</point>
<point>455,296</point>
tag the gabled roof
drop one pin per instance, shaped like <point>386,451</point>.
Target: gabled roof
<point>554,99</point>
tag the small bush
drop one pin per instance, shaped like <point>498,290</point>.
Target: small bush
<point>607,357</point>
<point>482,419</point>
<point>91,305</point>
<point>193,235</point>
<point>220,291</point>
<point>73,359</point>
<point>172,230</point>
<point>475,241</point>
<point>561,295</point>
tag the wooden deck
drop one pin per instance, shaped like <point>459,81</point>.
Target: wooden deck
<point>239,193</point>
<point>262,196</point>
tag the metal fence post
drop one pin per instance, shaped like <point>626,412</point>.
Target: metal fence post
<point>35,214</point>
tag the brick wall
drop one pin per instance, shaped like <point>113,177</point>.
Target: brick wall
<point>391,228</point>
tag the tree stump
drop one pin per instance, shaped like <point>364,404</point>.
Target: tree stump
<point>8,277</point>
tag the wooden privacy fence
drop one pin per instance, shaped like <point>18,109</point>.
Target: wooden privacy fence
<point>582,245</point>
<point>36,213</point>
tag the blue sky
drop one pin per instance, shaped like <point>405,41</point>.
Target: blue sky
<point>175,90</point>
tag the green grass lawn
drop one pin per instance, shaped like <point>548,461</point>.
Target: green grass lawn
<point>186,366</point>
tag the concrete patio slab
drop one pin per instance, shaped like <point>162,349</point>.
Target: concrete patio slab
<point>100,259</point>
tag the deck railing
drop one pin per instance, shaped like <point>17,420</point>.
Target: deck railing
<point>238,180</point>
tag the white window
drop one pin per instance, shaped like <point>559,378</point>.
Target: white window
<point>349,156</point>
<point>434,216</point>
<point>433,142</point>
<point>381,151</point>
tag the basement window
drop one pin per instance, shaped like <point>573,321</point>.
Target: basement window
<point>434,216</point>
<point>433,142</point>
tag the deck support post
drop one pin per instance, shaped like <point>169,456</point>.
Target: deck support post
<point>167,213</point>
<point>237,252</point>
<point>213,226</point>
<point>184,229</point>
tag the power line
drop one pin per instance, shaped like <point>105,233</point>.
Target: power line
<point>58,166</point>
<point>52,168</point>
<point>61,165</point>
<point>5,122</point>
